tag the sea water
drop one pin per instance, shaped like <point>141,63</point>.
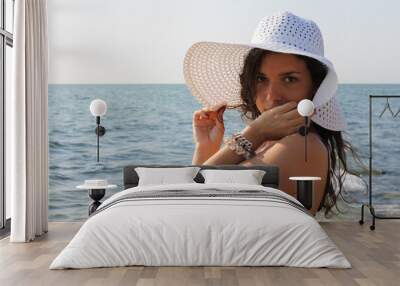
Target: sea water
<point>152,124</point>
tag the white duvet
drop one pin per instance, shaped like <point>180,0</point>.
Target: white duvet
<point>200,231</point>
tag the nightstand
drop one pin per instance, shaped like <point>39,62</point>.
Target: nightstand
<point>305,192</point>
<point>96,191</point>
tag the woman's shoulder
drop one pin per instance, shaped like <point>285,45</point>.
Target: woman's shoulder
<point>313,140</point>
<point>293,147</point>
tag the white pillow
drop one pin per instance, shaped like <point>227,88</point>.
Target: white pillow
<point>249,177</point>
<point>162,176</point>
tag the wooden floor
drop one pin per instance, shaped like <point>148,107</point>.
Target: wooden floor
<point>374,255</point>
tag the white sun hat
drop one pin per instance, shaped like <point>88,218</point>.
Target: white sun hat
<point>212,70</point>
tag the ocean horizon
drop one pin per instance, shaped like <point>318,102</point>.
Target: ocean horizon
<point>152,124</point>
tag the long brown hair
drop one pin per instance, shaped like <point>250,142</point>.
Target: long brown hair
<point>337,146</point>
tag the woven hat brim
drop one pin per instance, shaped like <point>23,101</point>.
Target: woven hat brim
<point>212,70</point>
<point>330,116</point>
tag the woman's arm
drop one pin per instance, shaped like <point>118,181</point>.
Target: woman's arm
<point>226,156</point>
<point>272,124</point>
<point>202,153</point>
<point>208,133</point>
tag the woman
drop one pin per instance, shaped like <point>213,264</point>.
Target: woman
<point>283,65</point>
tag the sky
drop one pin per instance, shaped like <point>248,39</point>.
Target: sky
<point>139,42</point>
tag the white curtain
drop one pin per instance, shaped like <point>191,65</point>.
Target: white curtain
<point>26,123</point>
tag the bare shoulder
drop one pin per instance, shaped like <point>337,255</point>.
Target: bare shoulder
<point>289,154</point>
<point>296,142</point>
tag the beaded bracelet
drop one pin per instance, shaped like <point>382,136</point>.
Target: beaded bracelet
<point>241,145</point>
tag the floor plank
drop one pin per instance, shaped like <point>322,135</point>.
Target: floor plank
<point>374,255</point>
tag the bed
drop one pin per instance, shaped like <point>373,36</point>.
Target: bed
<point>201,224</point>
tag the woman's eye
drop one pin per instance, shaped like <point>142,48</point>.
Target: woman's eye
<point>260,78</point>
<point>290,79</point>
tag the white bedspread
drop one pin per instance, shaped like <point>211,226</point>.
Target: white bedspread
<point>200,231</point>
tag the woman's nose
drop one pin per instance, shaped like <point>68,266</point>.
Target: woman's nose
<point>273,93</point>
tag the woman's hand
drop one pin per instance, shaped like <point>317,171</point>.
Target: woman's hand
<point>279,122</point>
<point>208,128</point>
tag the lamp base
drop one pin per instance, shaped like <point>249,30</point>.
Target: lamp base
<point>305,190</point>
<point>303,131</point>
<point>100,130</point>
<point>305,193</point>
<point>96,195</point>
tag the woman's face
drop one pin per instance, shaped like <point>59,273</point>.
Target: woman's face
<point>282,78</point>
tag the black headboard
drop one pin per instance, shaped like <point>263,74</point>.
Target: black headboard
<point>270,179</point>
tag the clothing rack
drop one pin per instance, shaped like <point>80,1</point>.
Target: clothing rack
<point>370,205</point>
